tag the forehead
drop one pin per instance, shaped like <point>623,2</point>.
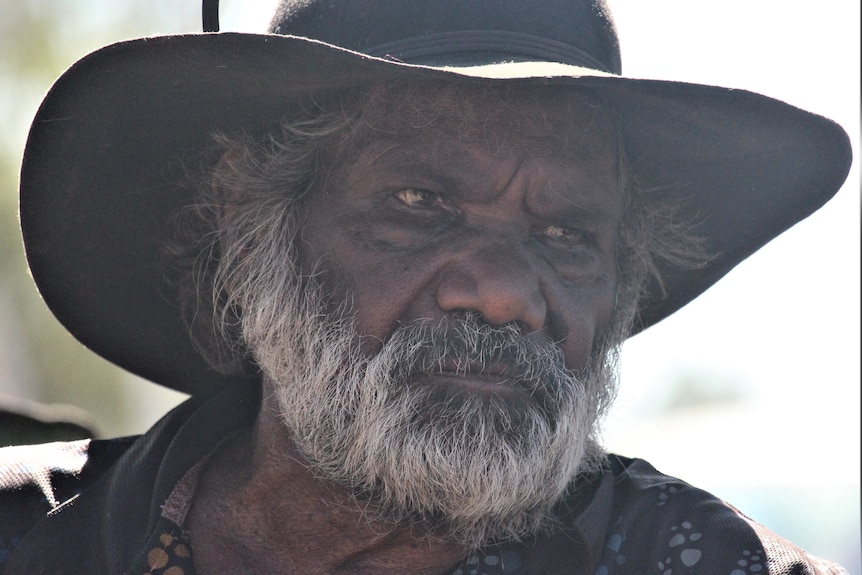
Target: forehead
<point>563,142</point>
<point>551,120</point>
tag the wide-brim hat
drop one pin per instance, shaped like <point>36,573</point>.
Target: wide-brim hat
<point>101,167</point>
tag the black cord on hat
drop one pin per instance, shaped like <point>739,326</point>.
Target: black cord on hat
<point>209,11</point>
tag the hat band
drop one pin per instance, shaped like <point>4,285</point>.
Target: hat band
<point>475,47</point>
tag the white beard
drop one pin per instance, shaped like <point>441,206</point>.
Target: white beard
<point>468,465</point>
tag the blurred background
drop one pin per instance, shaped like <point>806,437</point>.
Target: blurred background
<point>751,392</point>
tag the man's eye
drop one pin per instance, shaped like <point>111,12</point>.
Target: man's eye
<point>567,235</point>
<point>415,198</point>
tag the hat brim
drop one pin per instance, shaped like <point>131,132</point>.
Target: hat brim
<point>98,180</point>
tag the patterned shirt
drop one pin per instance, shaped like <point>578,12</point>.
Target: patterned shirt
<point>120,506</point>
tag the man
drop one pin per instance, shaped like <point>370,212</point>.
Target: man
<point>396,292</point>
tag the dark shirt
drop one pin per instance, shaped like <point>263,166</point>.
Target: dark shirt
<point>119,506</point>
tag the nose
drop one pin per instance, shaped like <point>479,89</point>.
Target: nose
<point>497,282</point>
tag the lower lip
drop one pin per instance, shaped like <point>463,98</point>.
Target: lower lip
<point>477,382</point>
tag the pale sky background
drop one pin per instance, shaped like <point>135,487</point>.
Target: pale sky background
<point>777,341</point>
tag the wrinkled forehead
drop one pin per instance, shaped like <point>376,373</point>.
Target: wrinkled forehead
<point>572,132</point>
<point>549,119</point>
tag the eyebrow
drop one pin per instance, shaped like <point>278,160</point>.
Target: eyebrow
<point>592,213</point>
<point>451,167</point>
<point>445,167</point>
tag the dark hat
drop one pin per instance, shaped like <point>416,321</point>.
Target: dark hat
<point>98,180</point>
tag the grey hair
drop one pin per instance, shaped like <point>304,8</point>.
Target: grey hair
<point>251,189</point>
<point>260,181</point>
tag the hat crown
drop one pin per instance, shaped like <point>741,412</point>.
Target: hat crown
<point>460,32</point>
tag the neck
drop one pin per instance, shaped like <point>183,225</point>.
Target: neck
<point>259,509</point>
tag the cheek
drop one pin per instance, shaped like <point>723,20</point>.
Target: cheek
<point>381,287</point>
<point>387,295</point>
<point>381,291</point>
<point>582,316</point>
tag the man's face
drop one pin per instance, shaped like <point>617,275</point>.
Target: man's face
<point>434,333</point>
<point>461,202</point>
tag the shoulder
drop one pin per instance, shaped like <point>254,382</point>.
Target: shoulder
<point>35,480</point>
<point>668,527</point>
